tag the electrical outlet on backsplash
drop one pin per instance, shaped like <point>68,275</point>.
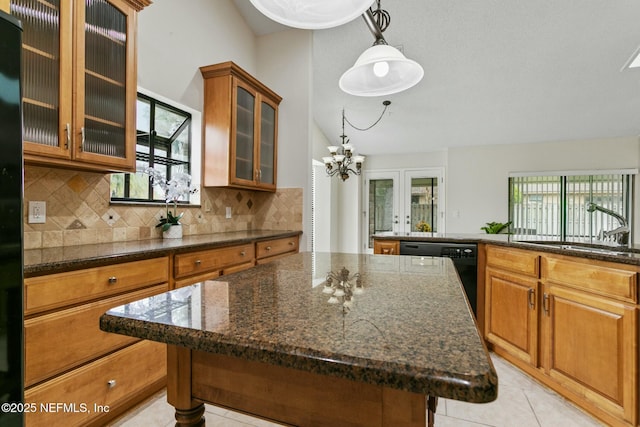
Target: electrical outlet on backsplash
<point>79,211</point>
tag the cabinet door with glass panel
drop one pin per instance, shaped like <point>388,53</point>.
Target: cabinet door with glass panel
<point>240,147</point>
<point>253,149</point>
<point>79,82</point>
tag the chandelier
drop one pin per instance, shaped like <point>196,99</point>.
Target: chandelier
<point>343,158</point>
<point>339,286</point>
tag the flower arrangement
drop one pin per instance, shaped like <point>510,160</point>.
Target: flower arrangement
<point>174,189</point>
<point>423,226</point>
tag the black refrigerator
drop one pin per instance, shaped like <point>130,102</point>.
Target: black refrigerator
<point>11,191</point>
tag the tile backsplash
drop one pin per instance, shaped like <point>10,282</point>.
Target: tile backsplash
<point>79,212</point>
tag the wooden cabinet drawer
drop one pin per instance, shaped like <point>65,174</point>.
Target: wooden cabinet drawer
<point>514,260</point>
<point>63,289</point>
<point>60,341</point>
<point>598,278</point>
<point>212,259</point>
<point>130,371</point>
<point>273,247</point>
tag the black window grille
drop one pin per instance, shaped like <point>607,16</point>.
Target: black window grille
<point>163,142</point>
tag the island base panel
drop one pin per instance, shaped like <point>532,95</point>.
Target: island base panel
<point>289,395</point>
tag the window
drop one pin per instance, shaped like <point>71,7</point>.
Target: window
<point>555,205</point>
<point>163,142</point>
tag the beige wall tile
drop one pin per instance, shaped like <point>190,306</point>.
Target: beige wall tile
<point>79,212</point>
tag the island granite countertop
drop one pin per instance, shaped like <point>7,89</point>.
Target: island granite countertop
<point>408,326</point>
<point>53,260</point>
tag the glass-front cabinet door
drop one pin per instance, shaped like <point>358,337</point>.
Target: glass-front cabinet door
<point>105,83</point>
<point>79,82</point>
<point>243,150</point>
<point>268,132</point>
<point>47,75</point>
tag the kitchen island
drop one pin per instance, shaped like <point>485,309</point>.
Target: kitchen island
<point>318,339</point>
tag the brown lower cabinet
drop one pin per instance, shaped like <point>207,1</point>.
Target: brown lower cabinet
<point>76,374</point>
<point>569,322</point>
<point>386,247</point>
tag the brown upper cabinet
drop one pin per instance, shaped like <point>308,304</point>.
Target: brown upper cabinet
<point>240,129</point>
<point>79,82</point>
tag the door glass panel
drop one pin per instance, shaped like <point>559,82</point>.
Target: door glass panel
<point>244,134</point>
<point>267,142</point>
<point>105,79</point>
<point>424,203</point>
<point>41,56</point>
<point>380,207</point>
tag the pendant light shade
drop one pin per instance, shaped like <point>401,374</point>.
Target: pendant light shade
<point>312,14</point>
<point>381,70</point>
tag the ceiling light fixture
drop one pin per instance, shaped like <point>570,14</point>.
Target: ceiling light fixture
<point>381,69</point>
<point>343,157</point>
<point>312,14</point>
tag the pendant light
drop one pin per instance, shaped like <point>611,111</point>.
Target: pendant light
<point>312,14</point>
<point>381,69</point>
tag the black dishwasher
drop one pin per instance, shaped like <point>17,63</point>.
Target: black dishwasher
<point>463,255</point>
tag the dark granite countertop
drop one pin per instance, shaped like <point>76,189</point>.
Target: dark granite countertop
<point>410,328</point>
<point>602,251</point>
<point>59,259</point>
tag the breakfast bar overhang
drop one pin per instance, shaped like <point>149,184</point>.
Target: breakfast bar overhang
<point>319,339</point>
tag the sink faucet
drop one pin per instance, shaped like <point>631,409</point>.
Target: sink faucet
<point>621,234</point>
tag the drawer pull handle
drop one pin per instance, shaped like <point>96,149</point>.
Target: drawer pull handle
<point>268,248</point>
<point>545,303</point>
<point>111,383</point>
<point>290,243</point>
<point>112,280</point>
<point>198,262</point>
<point>243,253</point>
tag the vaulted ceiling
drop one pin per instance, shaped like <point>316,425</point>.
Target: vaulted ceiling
<point>496,72</point>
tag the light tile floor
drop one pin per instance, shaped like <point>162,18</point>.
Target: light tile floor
<point>521,402</point>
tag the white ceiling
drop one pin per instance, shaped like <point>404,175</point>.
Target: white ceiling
<point>496,72</point>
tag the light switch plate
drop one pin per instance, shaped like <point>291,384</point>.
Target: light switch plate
<point>37,212</point>
<point>228,214</point>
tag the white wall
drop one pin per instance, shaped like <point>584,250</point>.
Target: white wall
<point>319,144</point>
<point>476,178</point>
<point>284,65</point>
<point>477,185</point>
<point>406,161</point>
<point>175,40</point>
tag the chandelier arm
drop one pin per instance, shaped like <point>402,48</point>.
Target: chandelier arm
<point>386,105</point>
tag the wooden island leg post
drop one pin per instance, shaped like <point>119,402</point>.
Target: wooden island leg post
<point>432,403</point>
<point>189,413</point>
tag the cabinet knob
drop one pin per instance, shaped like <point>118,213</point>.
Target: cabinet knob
<point>243,253</point>
<point>112,280</point>
<point>198,262</point>
<point>111,383</point>
<point>268,248</point>
<point>290,243</point>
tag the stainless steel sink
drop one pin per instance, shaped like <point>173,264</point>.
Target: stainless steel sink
<point>585,248</point>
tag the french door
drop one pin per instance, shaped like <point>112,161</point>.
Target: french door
<point>398,200</point>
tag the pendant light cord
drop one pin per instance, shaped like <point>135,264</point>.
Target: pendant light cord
<point>344,118</point>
